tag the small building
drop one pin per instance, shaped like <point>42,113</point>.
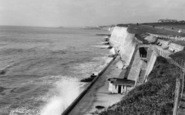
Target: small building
<point>175,47</point>
<point>151,38</point>
<point>163,43</point>
<point>118,85</point>
<point>167,21</point>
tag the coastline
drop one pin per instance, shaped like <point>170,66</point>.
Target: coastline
<point>85,101</point>
<point>103,98</point>
<point>155,94</point>
<point>36,75</point>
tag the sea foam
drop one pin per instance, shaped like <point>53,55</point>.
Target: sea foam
<point>66,91</point>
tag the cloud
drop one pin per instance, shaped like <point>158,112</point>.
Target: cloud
<point>87,12</point>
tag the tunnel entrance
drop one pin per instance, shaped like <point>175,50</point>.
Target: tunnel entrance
<point>143,52</point>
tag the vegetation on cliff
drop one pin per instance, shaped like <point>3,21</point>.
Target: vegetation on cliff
<point>179,57</point>
<point>158,29</point>
<point>156,96</point>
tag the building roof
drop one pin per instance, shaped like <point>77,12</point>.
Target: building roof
<point>119,81</point>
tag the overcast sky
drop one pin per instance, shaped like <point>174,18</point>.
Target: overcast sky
<point>87,12</point>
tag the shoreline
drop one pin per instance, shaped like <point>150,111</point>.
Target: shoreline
<point>86,98</point>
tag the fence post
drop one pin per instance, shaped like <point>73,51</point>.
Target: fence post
<point>176,100</point>
<point>182,88</point>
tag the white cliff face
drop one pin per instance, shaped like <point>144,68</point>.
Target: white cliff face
<point>112,51</point>
<point>123,43</point>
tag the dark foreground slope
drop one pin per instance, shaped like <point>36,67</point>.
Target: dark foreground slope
<point>155,96</point>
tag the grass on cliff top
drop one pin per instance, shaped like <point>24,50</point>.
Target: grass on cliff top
<point>143,29</point>
<point>155,96</point>
<point>179,57</point>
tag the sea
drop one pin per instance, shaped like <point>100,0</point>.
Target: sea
<point>41,67</point>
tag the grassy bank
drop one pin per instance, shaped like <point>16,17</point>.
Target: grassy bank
<point>144,29</point>
<point>153,97</point>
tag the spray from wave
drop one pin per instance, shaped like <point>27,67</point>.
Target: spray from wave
<point>124,43</point>
<point>65,92</point>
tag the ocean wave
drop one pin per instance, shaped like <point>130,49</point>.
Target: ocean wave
<point>95,65</point>
<point>66,90</point>
<point>53,102</point>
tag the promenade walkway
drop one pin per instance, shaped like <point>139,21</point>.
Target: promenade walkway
<point>97,94</point>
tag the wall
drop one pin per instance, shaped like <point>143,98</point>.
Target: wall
<point>151,62</point>
<point>135,67</point>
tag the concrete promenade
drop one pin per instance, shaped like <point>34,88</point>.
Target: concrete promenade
<point>97,94</point>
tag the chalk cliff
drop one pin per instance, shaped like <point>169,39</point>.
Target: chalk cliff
<point>124,43</point>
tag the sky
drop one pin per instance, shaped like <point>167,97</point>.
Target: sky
<point>70,13</point>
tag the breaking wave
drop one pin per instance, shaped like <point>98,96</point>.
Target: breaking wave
<point>65,92</point>
<point>68,88</point>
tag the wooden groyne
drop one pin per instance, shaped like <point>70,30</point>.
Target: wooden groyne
<point>85,91</point>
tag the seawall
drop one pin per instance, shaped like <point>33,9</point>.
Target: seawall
<point>83,102</point>
<point>138,60</point>
<point>138,68</point>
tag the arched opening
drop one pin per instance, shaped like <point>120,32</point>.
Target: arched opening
<point>143,52</point>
